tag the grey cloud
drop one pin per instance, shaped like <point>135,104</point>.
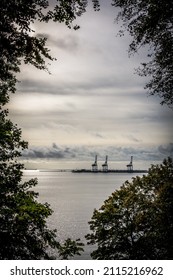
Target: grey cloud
<point>166,150</point>
<point>132,138</point>
<point>53,152</point>
<point>139,153</point>
<point>94,86</point>
<point>115,102</point>
<point>88,152</point>
<point>69,43</point>
<point>31,86</point>
<point>98,135</point>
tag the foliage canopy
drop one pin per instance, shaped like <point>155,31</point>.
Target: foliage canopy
<point>18,43</point>
<point>24,233</point>
<point>136,221</point>
<point>150,23</point>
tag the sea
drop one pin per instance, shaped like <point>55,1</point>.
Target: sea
<point>73,198</point>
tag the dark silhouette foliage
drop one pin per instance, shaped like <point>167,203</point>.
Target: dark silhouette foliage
<point>18,42</point>
<point>24,233</point>
<point>136,221</point>
<point>150,23</point>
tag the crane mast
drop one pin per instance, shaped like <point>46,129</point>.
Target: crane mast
<point>130,165</point>
<point>94,165</point>
<point>105,165</point>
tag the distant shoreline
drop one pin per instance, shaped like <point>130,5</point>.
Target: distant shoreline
<point>108,171</point>
<point>89,171</point>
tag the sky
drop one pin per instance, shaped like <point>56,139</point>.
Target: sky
<point>92,102</point>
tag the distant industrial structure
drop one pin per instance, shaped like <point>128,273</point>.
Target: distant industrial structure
<point>130,165</point>
<point>94,165</point>
<point>105,169</point>
<point>105,165</point>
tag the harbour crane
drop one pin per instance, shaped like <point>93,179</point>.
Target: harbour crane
<point>94,165</point>
<point>130,165</point>
<point>105,165</point>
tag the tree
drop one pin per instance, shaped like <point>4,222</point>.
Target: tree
<point>150,23</point>
<point>23,230</point>
<point>18,43</point>
<point>136,221</point>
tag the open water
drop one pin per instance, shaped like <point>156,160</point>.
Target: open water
<point>73,197</point>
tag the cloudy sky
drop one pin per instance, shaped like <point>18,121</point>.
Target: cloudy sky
<point>92,102</point>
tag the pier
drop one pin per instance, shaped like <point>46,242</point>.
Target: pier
<point>105,169</point>
<point>109,171</point>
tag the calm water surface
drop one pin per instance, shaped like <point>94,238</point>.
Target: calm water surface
<point>73,197</point>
